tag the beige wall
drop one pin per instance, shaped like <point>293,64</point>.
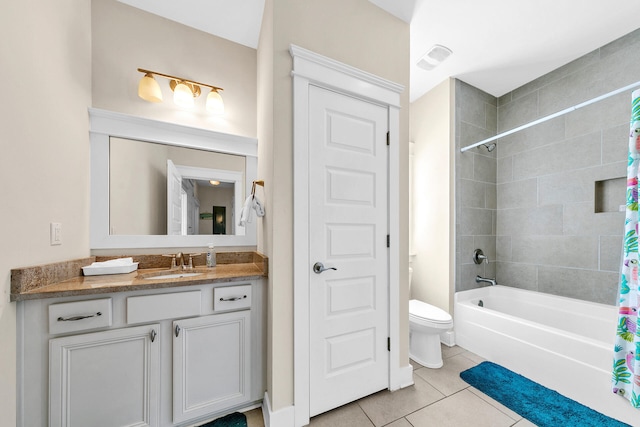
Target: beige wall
<point>125,38</point>
<point>361,35</point>
<point>431,121</point>
<point>265,118</point>
<point>46,51</point>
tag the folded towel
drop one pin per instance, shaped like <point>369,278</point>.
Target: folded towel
<point>113,262</point>
<point>251,204</point>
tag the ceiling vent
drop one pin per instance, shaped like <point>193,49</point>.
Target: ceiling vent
<point>434,56</point>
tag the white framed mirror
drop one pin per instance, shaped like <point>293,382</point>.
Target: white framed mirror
<point>131,205</point>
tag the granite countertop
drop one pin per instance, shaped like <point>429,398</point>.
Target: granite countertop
<point>66,279</point>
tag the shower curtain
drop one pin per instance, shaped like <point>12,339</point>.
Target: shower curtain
<point>626,362</point>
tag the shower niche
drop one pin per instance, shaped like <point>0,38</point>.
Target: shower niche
<point>610,195</point>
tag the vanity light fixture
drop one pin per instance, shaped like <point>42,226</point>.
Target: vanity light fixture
<point>184,91</point>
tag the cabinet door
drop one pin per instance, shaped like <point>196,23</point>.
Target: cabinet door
<point>108,378</point>
<point>211,364</point>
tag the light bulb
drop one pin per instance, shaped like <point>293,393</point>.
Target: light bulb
<point>215,104</point>
<point>149,89</point>
<point>182,95</point>
<point>212,182</point>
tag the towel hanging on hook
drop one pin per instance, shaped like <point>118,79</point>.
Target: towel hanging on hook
<point>251,203</point>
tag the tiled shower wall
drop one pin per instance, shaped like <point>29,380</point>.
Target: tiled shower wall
<point>475,120</point>
<point>559,185</point>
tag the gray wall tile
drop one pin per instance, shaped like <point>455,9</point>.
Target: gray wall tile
<point>536,136</point>
<point>472,194</point>
<point>518,194</point>
<point>615,143</point>
<point>474,221</point>
<point>565,251</point>
<point>514,114</point>
<point>523,276</point>
<point>610,253</point>
<point>505,169</point>
<point>484,169</point>
<point>580,219</point>
<point>544,220</point>
<point>577,153</point>
<point>503,248</point>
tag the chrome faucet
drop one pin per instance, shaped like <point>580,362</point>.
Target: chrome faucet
<point>492,282</point>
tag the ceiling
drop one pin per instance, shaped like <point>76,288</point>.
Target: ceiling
<point>498,45</point>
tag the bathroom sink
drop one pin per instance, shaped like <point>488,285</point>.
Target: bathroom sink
<point>159,275</point>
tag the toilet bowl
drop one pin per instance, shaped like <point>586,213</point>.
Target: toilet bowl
<point>426,322</point>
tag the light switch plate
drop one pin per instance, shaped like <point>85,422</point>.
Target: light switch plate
<point>55,233</point>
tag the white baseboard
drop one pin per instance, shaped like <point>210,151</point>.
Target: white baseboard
<point>284,417</point>
<point>448,338</point>
<point>406,376</point>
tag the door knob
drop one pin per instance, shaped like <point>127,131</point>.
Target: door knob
<point>319,267</point>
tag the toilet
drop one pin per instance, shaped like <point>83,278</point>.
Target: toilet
<point>426,323</point>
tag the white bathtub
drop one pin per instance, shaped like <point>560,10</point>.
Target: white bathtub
<point>562,343</point>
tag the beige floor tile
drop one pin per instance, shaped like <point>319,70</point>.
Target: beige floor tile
<point>499,406</point>
<point>524,423</point>
<point>402,422</point>
<point>415,364</point>
<point>254,418</point>
<point>447,379</point>
<point>385,407</point>
<point>348,415</point>
<point>473,356</point>
<point>461,409</point>
<point>451,351</point>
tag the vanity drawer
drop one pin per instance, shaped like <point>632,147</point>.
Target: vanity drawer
<point>79,315</point>
<point>174,305</point>
<point>232,298</point>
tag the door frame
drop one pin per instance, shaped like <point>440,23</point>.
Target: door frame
<point>310,68</point>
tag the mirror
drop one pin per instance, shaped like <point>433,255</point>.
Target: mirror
<point>140,174</point>
<point>151,184</point>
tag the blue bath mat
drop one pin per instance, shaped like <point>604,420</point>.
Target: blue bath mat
<point>538,404</point>
<point>235,419</point>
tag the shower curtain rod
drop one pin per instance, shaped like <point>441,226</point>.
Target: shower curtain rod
<point>551,116</point>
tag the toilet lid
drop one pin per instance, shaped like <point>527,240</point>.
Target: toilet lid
<point>427,311</point>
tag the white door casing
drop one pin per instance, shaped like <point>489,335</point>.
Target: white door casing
<point>347,231</point>
<point>310,69</point>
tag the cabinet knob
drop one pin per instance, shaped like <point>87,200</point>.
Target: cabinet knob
<point>177,330</point>
<point>153,335</point>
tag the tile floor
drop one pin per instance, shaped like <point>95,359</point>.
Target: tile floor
<point>438,397</point>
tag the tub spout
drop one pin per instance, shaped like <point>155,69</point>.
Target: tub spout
<point>492,282</point>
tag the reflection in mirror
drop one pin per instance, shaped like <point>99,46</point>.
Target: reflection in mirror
<point>142,200</point>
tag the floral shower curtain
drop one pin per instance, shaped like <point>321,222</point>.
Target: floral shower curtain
<point>626,362</point>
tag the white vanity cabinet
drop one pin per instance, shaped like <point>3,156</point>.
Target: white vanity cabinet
<point>211,364</point>
<point>161,357</point>
<point>105,379</point>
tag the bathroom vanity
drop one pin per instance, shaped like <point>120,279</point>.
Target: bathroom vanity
<point>139,349</point>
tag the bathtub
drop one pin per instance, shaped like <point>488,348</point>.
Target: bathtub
<point>562,343</point>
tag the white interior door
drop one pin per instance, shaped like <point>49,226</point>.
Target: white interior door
<point>348,211</point>
<point>174,200</point>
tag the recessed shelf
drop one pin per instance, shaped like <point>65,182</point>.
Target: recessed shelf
<point>610,195</point>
